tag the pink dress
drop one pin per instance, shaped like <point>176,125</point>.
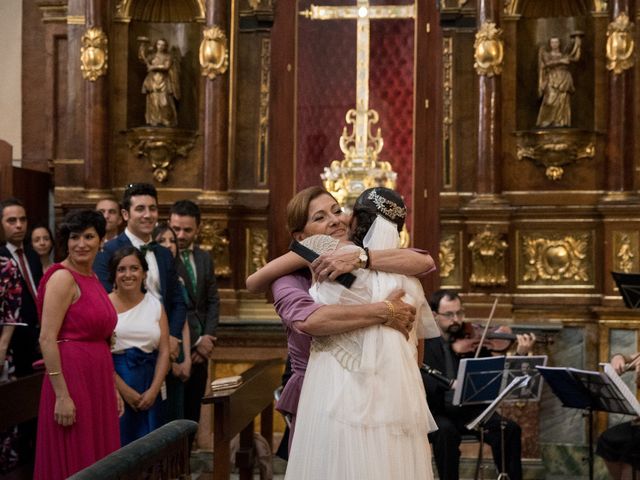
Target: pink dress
<point>87,366</point>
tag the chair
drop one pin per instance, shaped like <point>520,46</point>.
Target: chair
<point>276,395</point>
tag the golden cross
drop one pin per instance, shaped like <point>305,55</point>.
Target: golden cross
<point>363,12</point>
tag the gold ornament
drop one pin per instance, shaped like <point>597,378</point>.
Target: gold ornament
<point>93,54</point>
<point>620,44</point>
<point>214,53</point>
<point>488,50</point>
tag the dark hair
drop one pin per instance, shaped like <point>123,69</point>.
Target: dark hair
<point>438,295</point>
<point>298,208</point>
<point>46,227</point>
<point>10,202</point>
<point>77,221</point>
<point>123,253</point>
<point>186,208</point>
<point>372,202</point>
<point>162,227</point>
<point>136,189</point>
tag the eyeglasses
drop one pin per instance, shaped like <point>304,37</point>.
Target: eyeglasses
<point>451,315</point>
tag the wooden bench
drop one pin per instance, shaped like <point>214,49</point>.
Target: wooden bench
<point>234,411</point>
<point>163,453</point>
<point>20,399</point>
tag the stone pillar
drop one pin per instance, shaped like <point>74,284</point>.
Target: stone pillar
<point>620,145</point>
<point>96,150</point>
<point>488,66</point>
<point>216,111</point>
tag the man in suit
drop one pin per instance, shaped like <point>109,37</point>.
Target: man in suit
<point>110,210</point>
<point>196,268</point>
<point>444,354</point>
<point>140,212</point>
<point>24,342</point>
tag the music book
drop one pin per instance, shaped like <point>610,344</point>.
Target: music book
<point>516,366</point>
<point>598,391</point>
<point>478,380</point>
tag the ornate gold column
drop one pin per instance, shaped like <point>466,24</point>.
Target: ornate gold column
<point>94,58</point>
<point>216,97</point>
<point>620,51</point>
<point>488,56</point>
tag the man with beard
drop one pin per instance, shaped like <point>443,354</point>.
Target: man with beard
<point>444,354</point>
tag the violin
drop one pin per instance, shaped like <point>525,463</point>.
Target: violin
<point>495,340</point>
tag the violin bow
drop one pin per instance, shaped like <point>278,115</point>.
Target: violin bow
<point>486,328</point>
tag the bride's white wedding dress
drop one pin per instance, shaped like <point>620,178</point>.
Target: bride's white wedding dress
<point>363,412</point>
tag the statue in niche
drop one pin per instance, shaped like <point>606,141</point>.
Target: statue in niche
<point>161,85</point>
<point>555,83</point>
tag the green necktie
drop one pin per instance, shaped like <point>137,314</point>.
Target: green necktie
<point>189,268</point>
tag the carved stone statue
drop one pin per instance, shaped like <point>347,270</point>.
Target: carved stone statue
<point>161,85</point>
<point>555,83</point>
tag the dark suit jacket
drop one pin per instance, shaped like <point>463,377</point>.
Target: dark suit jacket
<point>203,304</point>
<point>24,341</point>
<point>170,290</point>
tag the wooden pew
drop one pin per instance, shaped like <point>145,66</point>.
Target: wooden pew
<point>163,453</point>
<point>234,411</point>
<point>19,400</point>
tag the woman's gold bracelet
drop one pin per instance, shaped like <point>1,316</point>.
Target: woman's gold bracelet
<point>53,374</point>
<point>391,312</point>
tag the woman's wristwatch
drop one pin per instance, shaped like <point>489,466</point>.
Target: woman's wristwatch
<point>363,258</point>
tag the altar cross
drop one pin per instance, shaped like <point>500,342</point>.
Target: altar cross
<point>363,12</point>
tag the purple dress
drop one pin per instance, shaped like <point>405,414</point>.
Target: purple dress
<point>87,367</point>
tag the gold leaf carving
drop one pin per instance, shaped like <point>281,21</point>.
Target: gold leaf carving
<point>94,54</point>
<point>488,50</point>
<point>257,249</point>
<point>447,256</point>
<point>620,44</point>
<point>214,52</point>
<point>625,246</point>
<point>488,259</point>
<point>561,257</point>
<point>214,238</point>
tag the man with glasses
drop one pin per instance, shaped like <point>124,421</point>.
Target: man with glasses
<point>444,354</point>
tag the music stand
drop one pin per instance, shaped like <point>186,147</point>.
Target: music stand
<point>478,380</point>
<point>629,286</point>
<point>591,391</point>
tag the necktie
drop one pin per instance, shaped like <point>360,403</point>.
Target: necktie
<point>25,272</point>
<point>187,265</point>
<point>149,247</point>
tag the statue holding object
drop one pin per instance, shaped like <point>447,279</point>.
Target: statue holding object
<point>161,85</point>
<point>555,83</point>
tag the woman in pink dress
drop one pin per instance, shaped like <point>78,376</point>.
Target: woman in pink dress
<point>79,405</point>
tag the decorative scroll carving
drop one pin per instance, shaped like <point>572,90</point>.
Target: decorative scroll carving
<point>557,258</point>
<point>94,54</point>
<point>257,249</point>
<point>447,256</point>
<point>263,135</point>
<point>214,52</point>
<point>214,238</point>
<point>620,44</point>
<point>161,147</point>
<point>625,249</point>
<point>447,119</point>
<point>555,148</point>
<point>488,50</point>
<point>488,259</point>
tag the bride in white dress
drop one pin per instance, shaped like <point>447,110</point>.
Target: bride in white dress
<point>363,412</point>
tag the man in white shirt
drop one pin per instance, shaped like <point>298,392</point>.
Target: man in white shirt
<point>140,212</point>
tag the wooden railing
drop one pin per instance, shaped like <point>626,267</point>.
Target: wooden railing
<point>234,411</point>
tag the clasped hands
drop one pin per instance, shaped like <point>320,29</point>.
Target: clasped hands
<point>330,266</point>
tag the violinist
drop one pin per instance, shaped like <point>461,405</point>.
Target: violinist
<point>619,445</point>
<point>444,354</point>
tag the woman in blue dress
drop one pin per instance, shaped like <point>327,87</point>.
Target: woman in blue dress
<point>141,347</point>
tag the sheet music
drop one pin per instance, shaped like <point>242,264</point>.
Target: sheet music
<point>610,372</point>
<point>516,383</point>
